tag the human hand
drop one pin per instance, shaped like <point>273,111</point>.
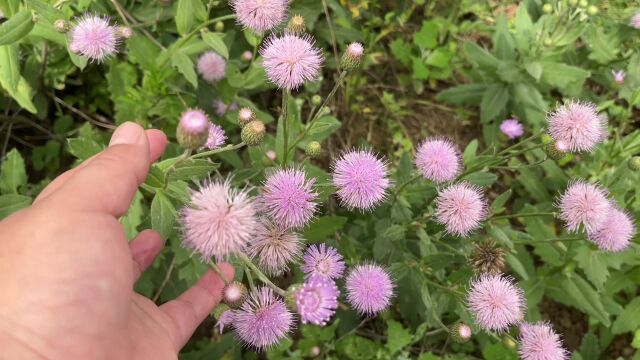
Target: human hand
<point>67,270</point>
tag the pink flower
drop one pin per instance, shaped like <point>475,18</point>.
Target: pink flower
<point>322,261</point>
<point>583,204</point>
<point>212,67</point>
<point>194,121</point>
<point>260,15</point>
<point>512,128</point>
<point>361,179</point>
<point>263,320</point>
<point>615,232</point>
<point>219,220</point>
<point>225,320</point>
<point>355,50</point>
<point>369,289</point>
<point>618,76</point>
<point>246,56</point>
<point>578,125</point>
<point>271,155</point>
<point>274,248</point>
<point>495,302</point>
<point>316,300</point>
<point>438,160</point>
<point>216,137</point>
<point>291,60</point>
<point>93,37</point>
<point>461,208</point>
<point>539,342</point>
<point>221,108</point>
<point>635,20</point>
<point>288,198</point>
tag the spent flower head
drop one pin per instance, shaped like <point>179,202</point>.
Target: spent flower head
<point>274,248</point>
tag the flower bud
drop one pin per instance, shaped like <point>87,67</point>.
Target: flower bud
<point>219,26</point>
<point>61,26</point>
<point>253,133</point>
<point>460,333</point>
<point>508,342</point>
<point>271,155</point>
<point>352,58</point>
<point>487,258</point>
<point>313,149</point>
<point>246,56</point>
<point>125,32</point>
<point>592,10</point>
<point>193,129</point>
<point>245,116</point>
<point>547,42</point>
<point>296,25</point>
<point>219,310</point>
<point>555,151</point>
<point>316,100</point>
<point>583,3</point>
<point>290,296</point>
<point>315,351</point>
<point>634,163</point>
<point>234,294</point>
<point>547,8</point>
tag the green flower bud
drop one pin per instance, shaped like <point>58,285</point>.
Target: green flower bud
<point>125,32</point>
<point>313,149</point>
<point>193,129</point>
<point>61,26</point>
<point>316,100</point>
<point>253,133</point>
<point>634,163</point>
<point>583,3</point>
<point>289,296</point>
<point>296,24</point>
<point>352,58</point>
<point>219,310</point>
<point>508,342</point>
<point>592,10</point>
<point>219,26</point>
<point>547,8</point>
<point>460,333</point>
<point>547,42</point>
<point>553,152</point>
<point>234,294</point>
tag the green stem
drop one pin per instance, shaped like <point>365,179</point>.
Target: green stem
<point>548,240</point>
<point>217,151</point>
<point>181,159</point>
<point>285,126</point>
<point>404,184</point>
<point>510,216</point>
<point>262,277</point>
<point>215,268</point>
<point>445,288</point>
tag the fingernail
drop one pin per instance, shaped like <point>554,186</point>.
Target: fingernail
<point>127,133</point>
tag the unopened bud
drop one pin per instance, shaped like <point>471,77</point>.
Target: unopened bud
<point>219,26</point>
<point>290,296</point>
<point>583,3</point>
<point>296,25</point>
<point>592,10</point>
<point>246,56</point>
<point>555,150</point>
<point>125,32</point>
<point>313,149</point>
<point>634,163</point>
<point>219,310</point>
<point>547,42</point>
<point>547,8</point>
<point>234,294</point>
<point>352,58</point>
<point>315,351</point>
<point>193,129</point>
<point>245,116</point>
<point>271,155</point>
<point>253,133</point>
<point>61,26</point>
<point>508,342</point>
<point>460,333</point>
<point>316,100</point>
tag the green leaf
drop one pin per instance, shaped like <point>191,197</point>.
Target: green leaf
<point>524,28</point>
<point>46,11</point>
<point>13,175</point>
<point>497,351</point>
<point>187,14</point>
<point>561,75</point>
<point>470,152</point>
<point>9,7</point>
<point>323,227</point>
<point>252,38</point>
<point>397,337</point>
<point>324,124</point>
<point>629,320</point>
<point>494,102</point>
<point>594,266</point>
<point>217,44</point>
<point>534,69</point>
<point>468,94</point>
<point>427,37</point>
<point>604,45</point>
<point>504,46</point>
<point>589,348</point>
<point>9,67</point>
<point>585,298</point>
<point>480,56</point>
<point>482,179</point>
<point>83,148</point>
<point>162,215</point>
<point>156,178</point>
<point>401,50</point>
<point>11,203</point>
<point>17,27</point>
<point>133,218</point>
<point>193,169</point>
<point>498,204</point>
<point>185,67</point>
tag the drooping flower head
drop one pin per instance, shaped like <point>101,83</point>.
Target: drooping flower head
<point>438,160</point>
<point>274,248</point>
<point>635,20</point>
<point>361,178</point>
<point>216,137</point>
<point>221,108</point>
<point>260,15</point>
<point>288,198</point>
<point>618,76</point>
<point>615,232</point>
<point>539,342</point>
<point>291,60</point>
<point>495,302</point>
<point>583,204</point>
<point>93,37</point>
<point>322,261</point>
<point>263,320</point>
<point>369,288</point>
<point>577,125</point>
<point>219,220</point>
<point>212,67</point>
<point>512,128</point>
<point>316,300</point>
<point>461,208</point>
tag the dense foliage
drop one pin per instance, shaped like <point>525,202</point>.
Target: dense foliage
<point>448,69</point>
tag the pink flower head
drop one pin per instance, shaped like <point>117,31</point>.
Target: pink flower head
<point>246,56</point>
<point>369,289</point>
<point>361,179</point>
<point>93,37</point>
<point>438,160</point>
<point>194,121</point>
<point>461,208</point>
<point>221,108</point>
<point>322,261</point>
<point>260,15</point>
<point>495,302</point>
<point>618,76</point>
<point>212,67</point>
<point>271,155</point>
<point>539,342</point>
<point>291,60</point>
<point>316,300</point>
<point>219,220</point>
<point>288,198</point>
<point>615,232</point>
<point>512,128</point>
<point>225,320</point>
<point>635,21</point>
<point>355,50</point>
<point>263,320</point>
<point>216,137</point>
<point>274,248</point>
<point>578,125</point>
<point>583,204</point>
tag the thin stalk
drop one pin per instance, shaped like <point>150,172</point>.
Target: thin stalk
<point>404,184</point>
<point>215,268</point>
<point>548,240</point>
<point>262,277</point>
<point>511,216</point>
<point>217,151</point>
<point>445,288</point>
<point>285,126</point>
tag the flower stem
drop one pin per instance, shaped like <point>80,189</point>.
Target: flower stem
<point>285,127</point>
<point>215,268</point>
<point>510,216</point>
<point>262,277</point>
<point>217,151</point>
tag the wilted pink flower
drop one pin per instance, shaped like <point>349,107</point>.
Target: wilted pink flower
<point>495,302</point>
<point>512,128</point>
<point>212,67</point>
<point>361,179</point>
<point>615,232</point>
<point>263,320</point>
<point>438,160</point>
<point>288,198</point>
<point>93,37</point>
<point>274,248</point>
<point>635,20</point>
<point>225,320</point>
<point>618,76</point>
<point>578,125</point>
<point>216,137</point>
<point>461,208</point>
<point>322,261</point>
<point>539,342</point>
<point>316,300</point>
<point>583,203</point>
<point>219,220</point>
<point>290,60</point>
<point>260,15</point>
<point>221,108</point>
<point>369,289</point>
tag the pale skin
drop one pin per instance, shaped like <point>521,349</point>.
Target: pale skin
<point>67,270</point>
